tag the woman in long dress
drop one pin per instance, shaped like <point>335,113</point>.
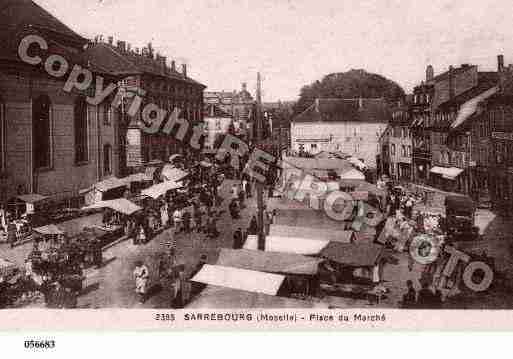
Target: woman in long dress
<point>141,275</point>
<point>164,215</point>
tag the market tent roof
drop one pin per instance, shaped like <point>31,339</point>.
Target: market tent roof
<point>109,183</point>
<point>352,174</point>
<point>470,107</point>
<point>281,244</point>
<point>357,163</point>
<point>242,279</point>
<point>160,189</point>
<point>6,267</point>
<point>171,173</point>
<point>354,254</point>
<point>50,229</point>
<point>274,262</point>
<point>31,198</point>
<point>174,157</point>
<point>447,172</point>
<point>313,233</point>
<point>316,163</point>
<point>214,297</point>
<point>121,205</point>
<point>137,177</point>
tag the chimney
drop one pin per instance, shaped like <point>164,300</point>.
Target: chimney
<point>111,40</point>
<point>128,47</point>
<point>173,65</point>
<point>430,73</point>
<point>244,86</point>
<point>451,82</point>
<point>500,63</point>
<point>184,70</point>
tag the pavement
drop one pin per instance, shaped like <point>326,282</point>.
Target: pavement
<point>112,285</point>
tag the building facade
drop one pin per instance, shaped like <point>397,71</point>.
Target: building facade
<point>216,123</point>
<point>146,74</point>
<point>400,144</point>
<point>53,142</point>
<point>352,126</point>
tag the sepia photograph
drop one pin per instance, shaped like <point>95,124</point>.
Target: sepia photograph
<point>271,161</point>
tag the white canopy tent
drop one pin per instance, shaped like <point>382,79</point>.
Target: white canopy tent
<point>242,279</point>
<point>120,205</point>
<point>160,189</point>
<point>288,244</point>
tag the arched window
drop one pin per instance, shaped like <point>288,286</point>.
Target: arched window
<point>2,135</point>
<point>41,132</point>
<point>107,159</point>
<point>80,122</point>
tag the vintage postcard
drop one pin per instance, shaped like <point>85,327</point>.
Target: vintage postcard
<point>223,164</point>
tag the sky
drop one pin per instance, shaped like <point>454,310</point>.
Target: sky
<point>293,43</point>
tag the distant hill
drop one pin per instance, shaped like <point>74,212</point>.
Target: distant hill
<point>350,84</point>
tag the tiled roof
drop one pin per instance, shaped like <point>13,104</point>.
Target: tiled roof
<point>486,80</point>
<point>345,110</point>
<point>23,13</point>
<point>455,71</point>
<point>121,63</point>
<point>19,18</point>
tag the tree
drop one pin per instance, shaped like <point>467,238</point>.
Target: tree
<point>350,84</point>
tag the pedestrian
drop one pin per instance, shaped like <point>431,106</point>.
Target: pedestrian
<point>234,192</point>
<point>253,226</point>
<point>141,275</point>
<point>426,298</point>
<point>237,239</point>
<point>410,298</point>
<point>164,215</point>
<point>198,217</point>
<point>187,222</point>
<point>233,208</point>
<point>141,235</point>
<point>248,189</point>
<point>11,233</point>
<point>178,220</point>
<point>408,207</point>
<point>241,198</point>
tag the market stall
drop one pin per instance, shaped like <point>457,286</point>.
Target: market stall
<point>241,279</point>
<point>353,269</point>
<point>301,272</point>
<point>107,189</point>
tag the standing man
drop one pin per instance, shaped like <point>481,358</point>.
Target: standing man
<point>237,239</point>
<point>11,233</point>
<point>141,275</point>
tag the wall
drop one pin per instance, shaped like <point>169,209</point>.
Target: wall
<point>354,138</point>
<point>212,129</point>
<point>64,178</point>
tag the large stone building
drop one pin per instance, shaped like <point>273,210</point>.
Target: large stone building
<point>450,140</point>
<point>420,112</point>
<point>53,142</point>
<point>240,105</point>
<point>147,74</point>
<point>352,126</point>
<point>400,144</point>
<point>216,124</point>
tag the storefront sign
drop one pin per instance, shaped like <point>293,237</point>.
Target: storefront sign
<point>133,148</point>
<point>503,135</point>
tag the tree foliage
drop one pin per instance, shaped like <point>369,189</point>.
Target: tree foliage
<point>350,84</point>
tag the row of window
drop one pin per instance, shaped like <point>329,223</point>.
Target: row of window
<point>401,132</point>
<point>405,150</point>
<point>42,136</point>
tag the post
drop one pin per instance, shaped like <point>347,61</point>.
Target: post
<point>260,185</point>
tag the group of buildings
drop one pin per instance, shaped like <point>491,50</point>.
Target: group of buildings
<point>54,142</point>
<point>455,132</point>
